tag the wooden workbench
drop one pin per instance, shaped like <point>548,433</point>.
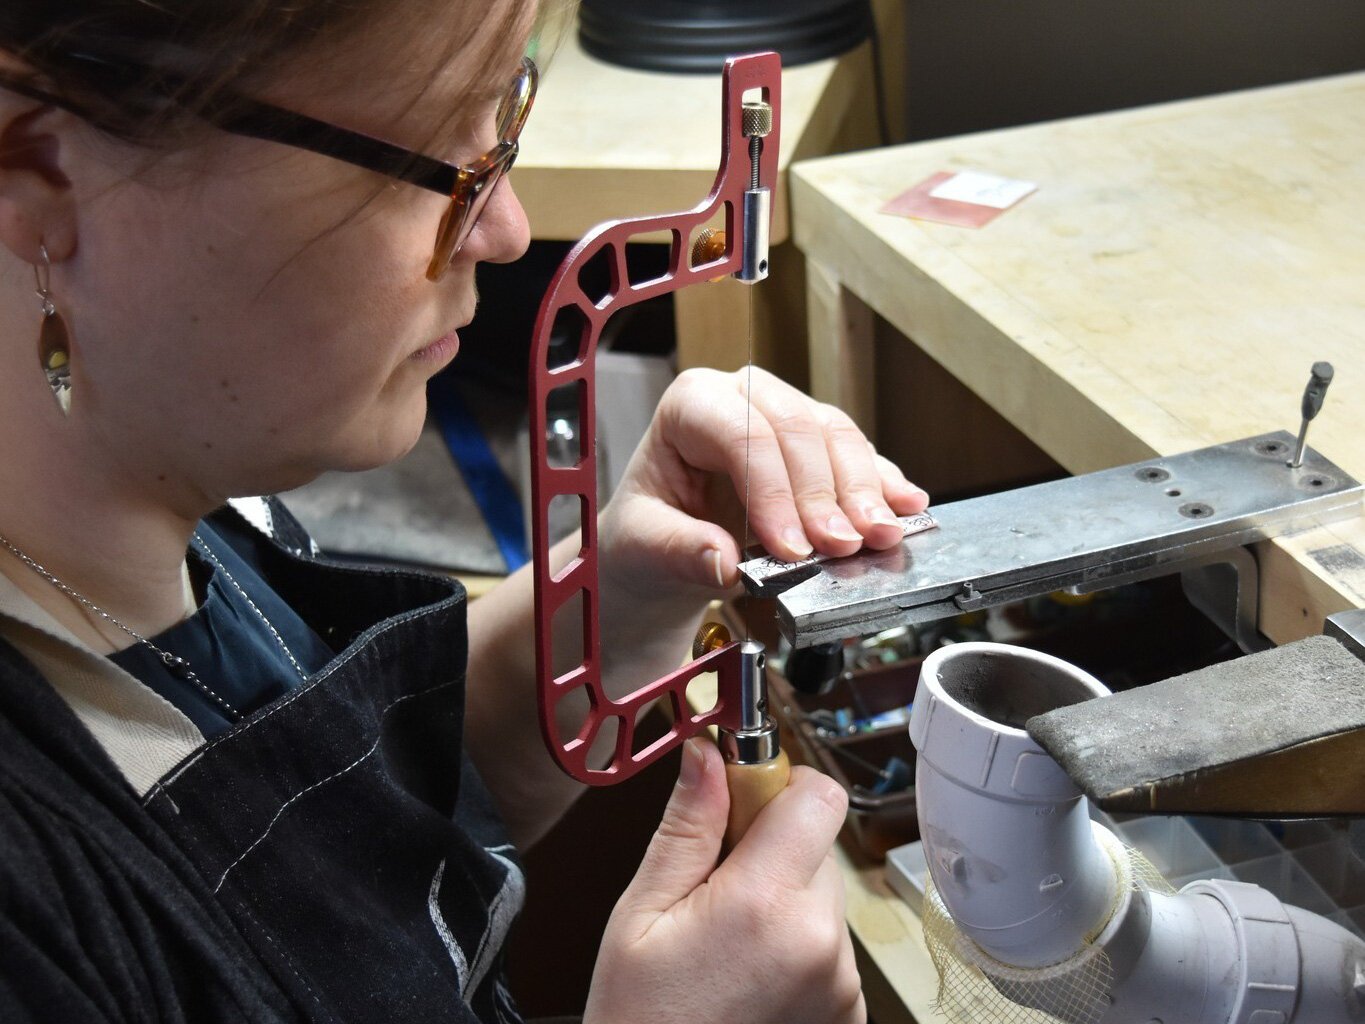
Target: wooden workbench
<point>606,143</point>
<point>1167,287</point>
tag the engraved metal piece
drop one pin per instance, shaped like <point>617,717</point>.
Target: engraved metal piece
<point>766,576</point>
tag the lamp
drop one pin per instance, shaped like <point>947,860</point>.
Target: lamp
<point>697,35</point>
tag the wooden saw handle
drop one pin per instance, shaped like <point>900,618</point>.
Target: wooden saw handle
<point>751,787</point>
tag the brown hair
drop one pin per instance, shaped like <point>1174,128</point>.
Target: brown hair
<point>148,71</point>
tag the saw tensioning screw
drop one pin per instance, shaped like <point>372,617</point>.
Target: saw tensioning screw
<point>756,121</point>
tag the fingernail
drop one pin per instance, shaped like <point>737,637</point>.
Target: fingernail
<point>717,568</point>
<point>796,542</point>
<point>882,516</point>
<point>841,529</point>
<point>693,766</point>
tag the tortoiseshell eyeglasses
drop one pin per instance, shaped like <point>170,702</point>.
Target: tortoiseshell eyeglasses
<point>468,187</point>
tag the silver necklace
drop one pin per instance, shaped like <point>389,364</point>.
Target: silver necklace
<point>204,550</point>
<point>177,666</point>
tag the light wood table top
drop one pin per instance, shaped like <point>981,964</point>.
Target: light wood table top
<point>1166,288</point>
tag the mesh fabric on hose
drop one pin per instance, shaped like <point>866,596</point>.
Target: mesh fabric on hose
<point>975,988</point>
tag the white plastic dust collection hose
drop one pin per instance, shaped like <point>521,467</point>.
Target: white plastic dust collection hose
<point>1038,914</point>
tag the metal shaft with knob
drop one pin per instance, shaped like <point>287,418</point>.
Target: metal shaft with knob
<point>757,120</point>
<point>711,244</point>
<point>1313,396</point>
<point>756,766</point>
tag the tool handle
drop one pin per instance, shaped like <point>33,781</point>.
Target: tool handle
<point>751,787</point>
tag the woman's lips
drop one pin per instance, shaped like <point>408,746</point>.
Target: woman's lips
<point>442,350</point>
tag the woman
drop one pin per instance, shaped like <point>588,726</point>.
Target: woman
<point>237,781</point>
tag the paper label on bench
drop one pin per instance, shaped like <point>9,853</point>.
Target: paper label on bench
<point>982,189</point>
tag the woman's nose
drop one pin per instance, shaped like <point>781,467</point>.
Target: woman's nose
<point>503,233</point>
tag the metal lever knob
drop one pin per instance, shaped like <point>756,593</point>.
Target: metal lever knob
<point>707,247</point>
<point>711,637</point>
<point>1313,395</point>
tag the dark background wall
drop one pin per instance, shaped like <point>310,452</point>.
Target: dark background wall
<point>978,64</point>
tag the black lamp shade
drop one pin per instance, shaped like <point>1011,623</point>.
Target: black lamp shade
<point>698,35</point>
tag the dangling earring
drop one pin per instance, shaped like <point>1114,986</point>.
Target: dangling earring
<point>54,341</point>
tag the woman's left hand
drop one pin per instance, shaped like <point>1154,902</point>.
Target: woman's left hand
<point>669,542</point>
<point>812,480</point>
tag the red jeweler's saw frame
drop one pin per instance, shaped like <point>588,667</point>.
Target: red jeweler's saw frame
<point>739,174</point>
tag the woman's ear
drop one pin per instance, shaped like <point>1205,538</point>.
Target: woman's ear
<point>37,202</point>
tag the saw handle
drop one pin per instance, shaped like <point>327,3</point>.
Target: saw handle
<point>751,787</point>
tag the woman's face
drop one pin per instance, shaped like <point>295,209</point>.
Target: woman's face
<point>238,327</point>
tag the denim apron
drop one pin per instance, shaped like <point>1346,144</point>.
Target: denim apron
<point>341,826</point>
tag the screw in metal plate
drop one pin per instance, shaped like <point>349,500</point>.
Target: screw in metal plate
<point>1316,482</point>
<point>1271,449</point>
<point>1152,474</point>
<point>1196,510</point>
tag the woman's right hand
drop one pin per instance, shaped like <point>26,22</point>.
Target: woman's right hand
<point>758,938</point>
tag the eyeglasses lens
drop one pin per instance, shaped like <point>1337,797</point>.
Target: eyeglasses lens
<point>468,204</point>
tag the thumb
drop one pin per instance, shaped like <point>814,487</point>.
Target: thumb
<point>686,846</point>
<point>664,540</point>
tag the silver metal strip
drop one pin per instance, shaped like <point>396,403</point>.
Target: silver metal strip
<point>1087,532</point>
